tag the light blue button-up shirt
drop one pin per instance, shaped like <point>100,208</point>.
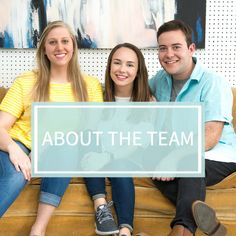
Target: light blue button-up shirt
<point>215,92</point>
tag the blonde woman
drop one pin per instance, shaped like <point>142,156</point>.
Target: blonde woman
<point>57,79</point>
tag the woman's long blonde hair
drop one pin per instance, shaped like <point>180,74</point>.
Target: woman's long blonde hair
<point>40,92</point>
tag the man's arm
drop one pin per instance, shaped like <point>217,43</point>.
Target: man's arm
<point>213,131</point>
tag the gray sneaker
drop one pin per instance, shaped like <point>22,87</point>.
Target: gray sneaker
<point>105,224</point>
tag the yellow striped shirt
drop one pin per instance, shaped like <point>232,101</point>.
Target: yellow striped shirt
<point>17,101</point>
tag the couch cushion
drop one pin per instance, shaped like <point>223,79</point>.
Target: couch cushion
<point>2,93</point>
<point>229,182</point>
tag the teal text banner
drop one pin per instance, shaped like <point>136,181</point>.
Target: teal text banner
<point>118,139</point>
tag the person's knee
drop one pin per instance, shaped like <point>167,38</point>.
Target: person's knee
<point>10,188</point>
<point>17,181</point>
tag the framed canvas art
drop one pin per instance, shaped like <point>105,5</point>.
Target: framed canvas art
<point>98,23</point>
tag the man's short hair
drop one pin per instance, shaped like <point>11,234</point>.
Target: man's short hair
<point>177,25</point>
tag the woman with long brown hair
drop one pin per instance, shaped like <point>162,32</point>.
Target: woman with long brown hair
<point>126,80</point>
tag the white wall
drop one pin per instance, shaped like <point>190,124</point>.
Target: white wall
<point>219,53</point>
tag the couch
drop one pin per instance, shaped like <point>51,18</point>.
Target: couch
<point>153,212</point>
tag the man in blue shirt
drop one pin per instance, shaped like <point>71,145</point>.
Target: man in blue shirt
<point>183,79</point>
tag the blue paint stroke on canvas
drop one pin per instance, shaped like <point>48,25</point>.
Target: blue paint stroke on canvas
<point>199,30</point>
<point>193,13</point>
<point>8,42</point>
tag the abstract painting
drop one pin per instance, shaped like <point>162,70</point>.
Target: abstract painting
<point>98,23</point>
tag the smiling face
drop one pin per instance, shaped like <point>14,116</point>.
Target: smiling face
<point>124,67</point>
<point>174,54</point>
<point>59,47</point>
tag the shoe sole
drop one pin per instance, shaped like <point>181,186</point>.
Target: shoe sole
<point>206,220</point>
<point>105,233</point>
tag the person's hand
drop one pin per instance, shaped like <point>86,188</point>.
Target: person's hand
<point>164,179</point>
<point>20,160</point>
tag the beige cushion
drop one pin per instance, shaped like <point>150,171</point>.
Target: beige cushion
<point>2,93</point>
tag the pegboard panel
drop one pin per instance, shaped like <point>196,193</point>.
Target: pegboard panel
<point>13,63</point>
<point>219,53</point>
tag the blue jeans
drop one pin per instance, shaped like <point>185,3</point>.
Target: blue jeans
<point>12,183</point>
<point>182,192</point>
<point>123,196</point>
